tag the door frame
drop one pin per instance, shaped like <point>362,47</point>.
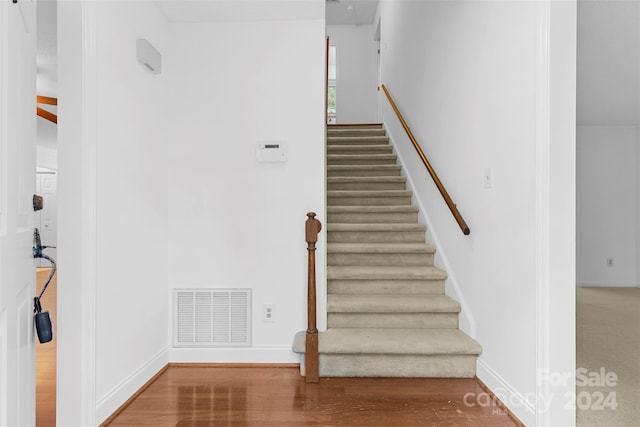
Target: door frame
<point>77,213</point>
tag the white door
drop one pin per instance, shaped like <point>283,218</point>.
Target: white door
<point>17,219</point>
<point>46,219</point>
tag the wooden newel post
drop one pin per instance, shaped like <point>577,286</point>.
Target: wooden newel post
<point>312,228</point>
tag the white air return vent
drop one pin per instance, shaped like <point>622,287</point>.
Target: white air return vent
<point>212,317</point>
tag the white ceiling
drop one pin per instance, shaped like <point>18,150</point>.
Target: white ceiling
<point>351,12</point>
<point>239,10</point>
<point>338,12</point>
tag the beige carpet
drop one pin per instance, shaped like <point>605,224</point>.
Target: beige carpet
<point>608,336</point>
<point>387,312</point>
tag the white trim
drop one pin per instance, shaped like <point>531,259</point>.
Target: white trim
<point>272,354</point>
<point>607,285</point>
<point>521,406</point>
<point>4,114</point>
<point>89,213</point>
<point>468,323</point>
<point>542,207</point>
<point>112,400</point>
<point>3,367</point>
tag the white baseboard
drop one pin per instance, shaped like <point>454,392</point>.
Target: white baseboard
<point>517,403</point>
<point>282,354</point>
<point>111,401</point>
<point>607,285</point>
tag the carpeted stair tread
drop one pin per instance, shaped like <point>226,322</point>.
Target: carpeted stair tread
<point>386,287</point>
<point>396,214</point>
<point>374,227</point>
<point>377,130</point>
<point>364,170</point>
<point>397,341</point>
<point>356,149</point>
<point>372,209</point>
<point>392,341</point>
<point>361,159</point>
<point>366,183</point>
<point>365,179</point>
<point>354,126</point>
<point>381,248</point>
<point>361,139</point>
<point>380,303</point>
<point>369,193</point>
<point>373,272</point>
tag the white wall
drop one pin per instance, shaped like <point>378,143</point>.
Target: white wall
<point>234,222</point>
<point>46,149</point>
<point>608,103</point>
<point>159,188</point>
<point>113,208</point>
<point>607,205</point>
<point>357,64</point>
<point>465,75</point>
<point>132,203</point>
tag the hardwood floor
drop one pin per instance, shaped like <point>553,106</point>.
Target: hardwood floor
<point>278,396</point>
<point>46,358</point>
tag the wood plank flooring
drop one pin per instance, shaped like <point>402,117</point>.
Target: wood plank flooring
<point>46,357</point>
<point>278,396</point>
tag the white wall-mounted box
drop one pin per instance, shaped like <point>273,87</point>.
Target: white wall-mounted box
<point>272,151</point>
<point>148,56</point>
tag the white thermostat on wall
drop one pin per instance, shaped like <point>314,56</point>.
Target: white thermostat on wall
<point>272,151</point>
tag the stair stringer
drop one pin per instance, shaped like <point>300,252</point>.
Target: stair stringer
<point>466,320</point>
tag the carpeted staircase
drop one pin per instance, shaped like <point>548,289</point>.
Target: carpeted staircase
<point>387,312</point>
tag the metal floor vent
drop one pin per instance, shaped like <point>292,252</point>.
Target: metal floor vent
<point>212,317</point>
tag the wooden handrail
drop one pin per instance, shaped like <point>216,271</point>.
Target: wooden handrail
<point>452,206</point>
<point>46,100</point>
<point>47,115</point>
<point>41,112</point>
<point>312,228</point>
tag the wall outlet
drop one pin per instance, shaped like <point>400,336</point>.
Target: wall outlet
<point>269,313</point>
<point>609,262</point>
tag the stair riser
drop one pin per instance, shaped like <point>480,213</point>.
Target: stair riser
<point>372,218</point>
<point>360,152</point>
<point>357,133</point>
<point>346,172</point>
<point>369,201</point>
<point>383,365</point>
<point>358,160</point>
<point>355,126</point>
<point>359,149</point>
<point>345,286</point>
<point>366,186</point>
<point>341,143</point>
<point>375,237</point>
<point>393,320</point>
<point>379,259</point>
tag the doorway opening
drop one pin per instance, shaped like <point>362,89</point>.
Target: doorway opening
<point>46,186</point>
<point>331,85</point>
<point>46,354</point>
